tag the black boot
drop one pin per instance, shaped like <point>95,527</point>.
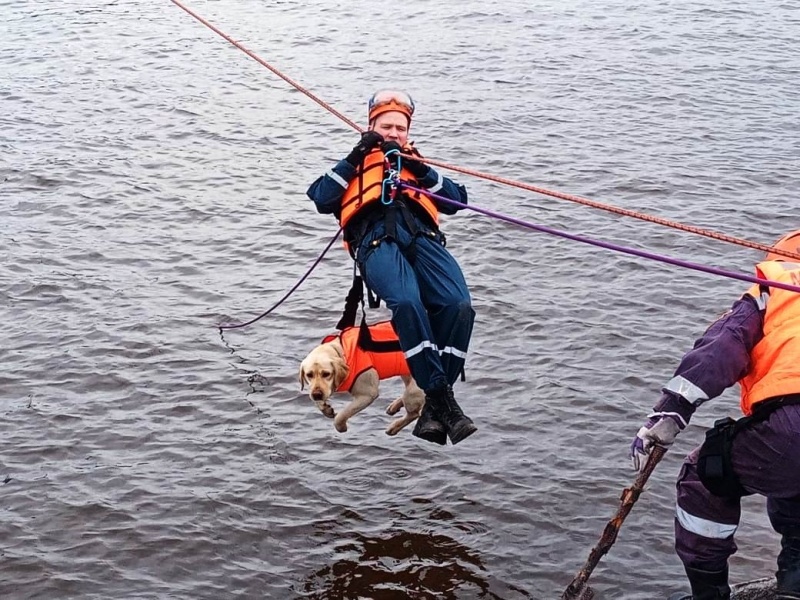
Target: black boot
<point>429,427</point>
<point>458,425</point>
<point>788,573</point>
<point>708,585</point>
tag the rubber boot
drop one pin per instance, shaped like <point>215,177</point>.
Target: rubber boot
<point>788,573</point>
<point>708,585</point>
<point>428,426</point>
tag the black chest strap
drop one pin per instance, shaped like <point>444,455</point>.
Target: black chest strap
<point>365,341</point>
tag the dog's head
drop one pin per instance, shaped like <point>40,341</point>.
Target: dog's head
<point>323,370</point>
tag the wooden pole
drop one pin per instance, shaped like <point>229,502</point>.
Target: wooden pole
<point>578,590</point>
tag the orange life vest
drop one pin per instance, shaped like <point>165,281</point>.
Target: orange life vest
<point>775,360</point>
<point>387,364</point>
<point>365,188</point>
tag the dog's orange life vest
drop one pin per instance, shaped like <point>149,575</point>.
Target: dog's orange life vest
<point>775,360</point>
<point>365,188</point>
<point>387,364</point>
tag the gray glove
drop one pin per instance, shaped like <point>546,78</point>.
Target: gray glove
<point>661,429</point>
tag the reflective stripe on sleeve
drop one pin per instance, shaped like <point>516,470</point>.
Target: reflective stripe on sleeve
<point>438,185</point>
<point>761,301</point>
<point>337,178</point>
<point>685,388</point>
<point>704,527</point>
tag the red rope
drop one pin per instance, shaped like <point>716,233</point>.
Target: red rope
<point>502,180</point>
<point>264,63</point>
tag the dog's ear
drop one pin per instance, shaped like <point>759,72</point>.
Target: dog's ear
<point>302,378</point>
<point>340,372</point>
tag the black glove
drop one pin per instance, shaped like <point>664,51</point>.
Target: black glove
<point>387,147</point>
<point>394,148</point>
<point>418,169</point>
<point>369,140</point>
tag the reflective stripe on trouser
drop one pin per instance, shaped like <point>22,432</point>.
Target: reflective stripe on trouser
<point>766,458</point>
<point>429,300</point>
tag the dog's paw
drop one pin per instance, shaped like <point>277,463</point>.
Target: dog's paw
<point>326,409</point>
<point>394,407</point>
<point>340,426</point>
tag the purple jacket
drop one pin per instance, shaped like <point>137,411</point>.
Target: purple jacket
<point>719,358</point>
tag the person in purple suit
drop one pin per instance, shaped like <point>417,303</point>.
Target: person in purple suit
<point>757,344</point>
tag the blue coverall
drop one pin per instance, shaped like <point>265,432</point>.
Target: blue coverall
<point>417,278</point>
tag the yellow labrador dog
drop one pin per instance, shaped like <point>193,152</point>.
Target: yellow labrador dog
<point>356,361</point>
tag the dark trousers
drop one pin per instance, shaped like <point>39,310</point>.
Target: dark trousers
<point>766,458</point>
<point>423,286</point>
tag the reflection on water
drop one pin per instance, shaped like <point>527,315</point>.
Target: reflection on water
<point>401,564</point>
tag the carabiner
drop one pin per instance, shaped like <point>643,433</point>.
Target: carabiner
<point>391,183</point>
<point>392,177</point>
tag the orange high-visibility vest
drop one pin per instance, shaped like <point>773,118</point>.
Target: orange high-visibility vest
<point>387,364</point>
<point>365,188</point>
<point>775,360</point>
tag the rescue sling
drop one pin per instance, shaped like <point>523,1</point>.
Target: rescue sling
<point>376,347</point>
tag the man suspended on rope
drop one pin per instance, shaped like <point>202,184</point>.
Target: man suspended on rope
<point>757,343</point>
<point>393,234</point>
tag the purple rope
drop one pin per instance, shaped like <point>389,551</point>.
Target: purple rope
<point>609,246</point>
<point>287,294</point>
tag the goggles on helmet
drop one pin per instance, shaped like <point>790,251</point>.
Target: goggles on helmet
<point>389,100</point>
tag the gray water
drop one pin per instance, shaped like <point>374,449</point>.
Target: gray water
<point>153,185</point>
